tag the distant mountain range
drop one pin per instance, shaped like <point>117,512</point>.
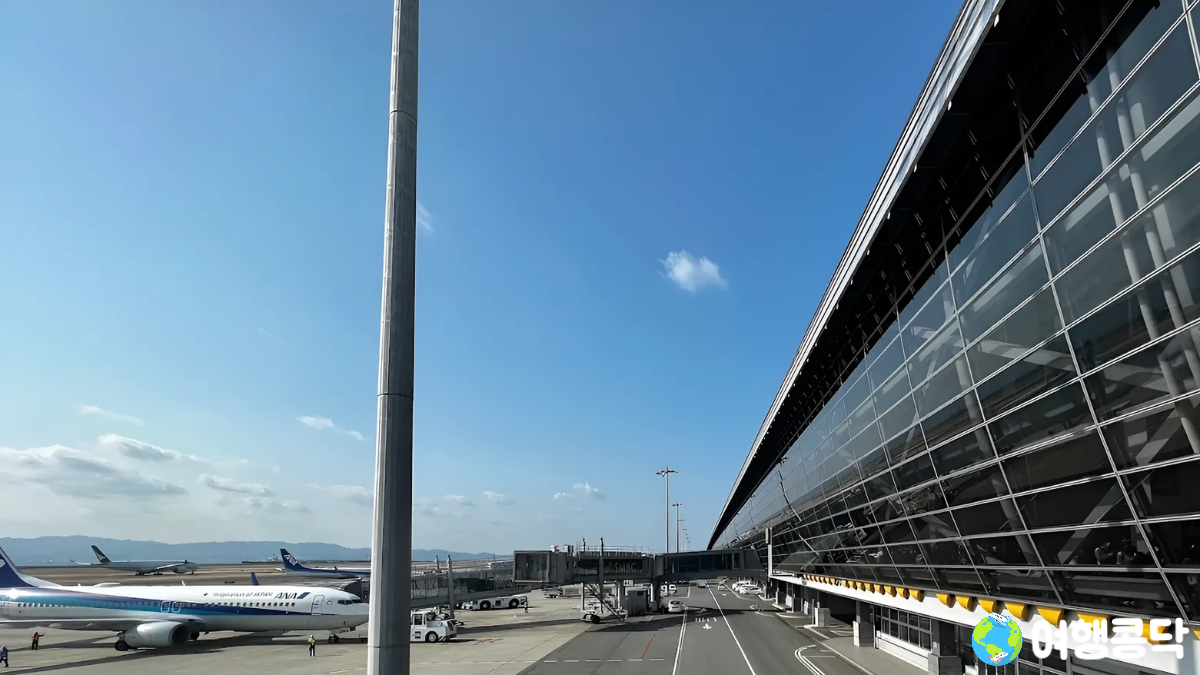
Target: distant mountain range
<point>62,550</point>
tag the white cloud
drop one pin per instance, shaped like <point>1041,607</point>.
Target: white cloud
<point>691,274</point>
<point>588,491</point>
<point>70,472</point>
<point>351,493</point>
<point>272,336</point>
<point>95,410</point>
<point>461,500</point>
<point>230,485</point>
<point>559,496</point>
<point>498,498</point>
<point>272,504</point>
<point>426,507</point>
<point>140,450</point>
<point>326,424</point>
<point>424,218</point>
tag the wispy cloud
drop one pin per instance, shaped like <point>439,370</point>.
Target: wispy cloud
<point>424,218</point>
<point>425,507</point>
<point>691,274</point>
<point>70,472</point>
<point>560,496</point>
<point>326,424</point>
<point>461,500</point>
<point>270,504</point>
<point>588,490</point>
<point>230,485</point>
<point>268,334</point>
<point>143,451</point>
<point>351,493</point>
<point>498,498</point>
<point>120,417</point>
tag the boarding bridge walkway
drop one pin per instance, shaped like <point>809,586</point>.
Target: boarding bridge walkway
<point>590,566</point>
<point>431,589</point>
<point>542,569</point>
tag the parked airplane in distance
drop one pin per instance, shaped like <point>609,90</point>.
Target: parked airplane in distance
<point>166,616</point>
<point>293,566</point>
<point>140,567</point>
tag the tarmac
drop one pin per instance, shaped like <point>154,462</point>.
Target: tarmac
<point>720,633</point>
<point>496,642</point>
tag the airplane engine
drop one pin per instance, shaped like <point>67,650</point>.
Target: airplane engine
<point>158,634</point>
<point>180,569</point>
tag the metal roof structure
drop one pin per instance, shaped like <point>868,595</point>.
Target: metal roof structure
<point>956,145</point>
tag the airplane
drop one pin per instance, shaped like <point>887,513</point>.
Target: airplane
<point>168,616</point>
<point>140,567</point>
<point>293,566</point>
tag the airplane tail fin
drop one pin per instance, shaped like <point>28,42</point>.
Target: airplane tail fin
<point>11,577</point>
<point>254,579</point>
<point>100,554</point>
<point>290,563</point>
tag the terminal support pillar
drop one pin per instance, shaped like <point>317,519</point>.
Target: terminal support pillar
<point>943,652</point>
<point>864,624</point>
<point>391,539</point>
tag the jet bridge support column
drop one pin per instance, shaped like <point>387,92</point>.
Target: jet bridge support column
<point>450,584</point>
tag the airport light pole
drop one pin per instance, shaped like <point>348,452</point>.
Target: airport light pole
<point>666,473</point>
<point>677,521</point>
<point>391,539</point>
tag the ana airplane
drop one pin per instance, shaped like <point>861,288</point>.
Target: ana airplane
<point>291,565</point>
<point>166,616</point>
<point>141,567</point>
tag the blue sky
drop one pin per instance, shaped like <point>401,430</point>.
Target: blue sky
<point>630,212</point>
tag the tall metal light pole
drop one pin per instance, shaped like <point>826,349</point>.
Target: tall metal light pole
<point>677,521</point>
<point>391,541</point>
<point>666,473</point>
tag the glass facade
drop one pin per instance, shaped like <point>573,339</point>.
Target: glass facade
<point>1027,426</point>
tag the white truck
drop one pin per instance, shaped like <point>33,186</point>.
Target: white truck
<point>510,601</point>
<point>425,626</point>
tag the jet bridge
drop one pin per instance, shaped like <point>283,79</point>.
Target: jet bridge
<point>558,568</point>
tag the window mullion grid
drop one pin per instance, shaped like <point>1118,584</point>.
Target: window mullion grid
<point>1096,420</point>
<point>987,434</point>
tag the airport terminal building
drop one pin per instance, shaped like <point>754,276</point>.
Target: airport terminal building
<point>994,408</point>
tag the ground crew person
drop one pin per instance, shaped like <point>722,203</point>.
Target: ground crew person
<point>312,646</point>
<point>4,655</point>
<point>36,638</point>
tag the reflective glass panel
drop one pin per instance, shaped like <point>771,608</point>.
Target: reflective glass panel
<point>1028,326</point>
<point>1053,415</point>
<point>1168,491</point>
<point>1151,436</point>
<point>1034,373</point>
<point>1097,501</point>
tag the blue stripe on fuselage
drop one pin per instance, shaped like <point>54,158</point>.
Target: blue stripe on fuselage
<point>65,598</point>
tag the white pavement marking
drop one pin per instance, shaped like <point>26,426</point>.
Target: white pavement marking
<point>807,664</point>
<point>735,638</point>
<point>682,630</point>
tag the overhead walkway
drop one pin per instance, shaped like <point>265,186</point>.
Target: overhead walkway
<point>557,568</point>
<point>432,589</point>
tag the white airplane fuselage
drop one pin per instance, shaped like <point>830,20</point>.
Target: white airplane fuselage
<point>205,608</point>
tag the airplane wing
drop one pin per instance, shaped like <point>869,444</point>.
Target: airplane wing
<point>164,568</point>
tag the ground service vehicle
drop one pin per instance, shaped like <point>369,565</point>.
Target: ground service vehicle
<point>674,607</point>
<point>512,602</point>
<point>425,626</point>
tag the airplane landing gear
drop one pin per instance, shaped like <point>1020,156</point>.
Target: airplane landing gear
<point>122,645</point>
<point>195,636</point>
